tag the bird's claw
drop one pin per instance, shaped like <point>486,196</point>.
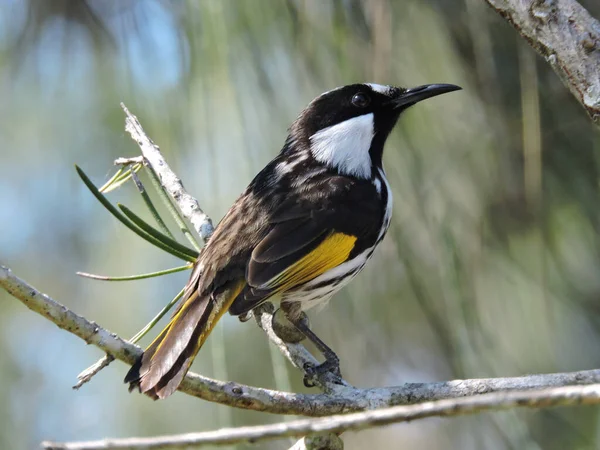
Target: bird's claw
<point>313,373</point>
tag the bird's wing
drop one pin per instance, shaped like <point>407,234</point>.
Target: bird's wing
<point>295,252</point>
<point>299,247</point>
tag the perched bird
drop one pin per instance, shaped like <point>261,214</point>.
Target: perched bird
<point>302,229</point>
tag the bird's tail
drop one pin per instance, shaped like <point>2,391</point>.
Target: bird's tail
<point>160,370</point>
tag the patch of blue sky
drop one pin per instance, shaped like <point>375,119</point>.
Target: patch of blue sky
<point>153,49</point>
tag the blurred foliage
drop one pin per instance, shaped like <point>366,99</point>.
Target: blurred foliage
<point>490,268</point>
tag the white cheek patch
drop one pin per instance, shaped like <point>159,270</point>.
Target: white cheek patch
<point>345,146</point>
<point>385,90</point>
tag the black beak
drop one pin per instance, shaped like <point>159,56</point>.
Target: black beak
<point>414,95</point>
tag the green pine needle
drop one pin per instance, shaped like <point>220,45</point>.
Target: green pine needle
<point>135,277</point>
<point>121,179</point>
<point>158,243</point>
<point>150,205</point>
<point>164,241</point>
<point>140,334</point>
<point>114,178</point>
<point>155,233</point>
<point>174,212</point>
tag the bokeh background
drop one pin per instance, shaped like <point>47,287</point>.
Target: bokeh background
<point>491,266</point>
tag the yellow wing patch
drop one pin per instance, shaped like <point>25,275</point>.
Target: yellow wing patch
<point>332,252</point>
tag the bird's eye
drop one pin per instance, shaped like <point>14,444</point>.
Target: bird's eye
<point>361,100</point>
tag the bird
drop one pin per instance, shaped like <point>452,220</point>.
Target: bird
<point>303,228</point>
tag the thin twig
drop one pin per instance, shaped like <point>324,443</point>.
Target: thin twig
<point>543,398</point>
<point>90,372</point>
<point>127,161</point>
<point>187,204</point>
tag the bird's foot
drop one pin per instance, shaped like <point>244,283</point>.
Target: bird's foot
<point>245,317</point>
<point>330,368</point>
<point>286,330</point>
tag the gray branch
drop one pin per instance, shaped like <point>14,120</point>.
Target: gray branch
<point>346,398</point>
<point>543,398</point>
<point>187,204</point>
<point>567,36</point>
<point>228,393</point>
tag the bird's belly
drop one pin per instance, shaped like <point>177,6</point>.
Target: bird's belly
<point>318,291</point>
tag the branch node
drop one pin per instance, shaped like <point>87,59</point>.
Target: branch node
<point>123,161</point>
<point>567,36</point>
<point>89,373</point>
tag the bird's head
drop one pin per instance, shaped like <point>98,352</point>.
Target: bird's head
<point>346,128</point>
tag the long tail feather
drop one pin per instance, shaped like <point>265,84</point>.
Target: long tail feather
<point>160,370</point>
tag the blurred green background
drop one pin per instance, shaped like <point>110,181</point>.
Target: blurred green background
<point>491,266</point>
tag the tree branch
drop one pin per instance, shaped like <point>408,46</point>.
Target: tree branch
<point>227,393</point>
<point>567,36</point>
<point>187,204</point>
<point>346,399</point>
<point>544,398</point>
